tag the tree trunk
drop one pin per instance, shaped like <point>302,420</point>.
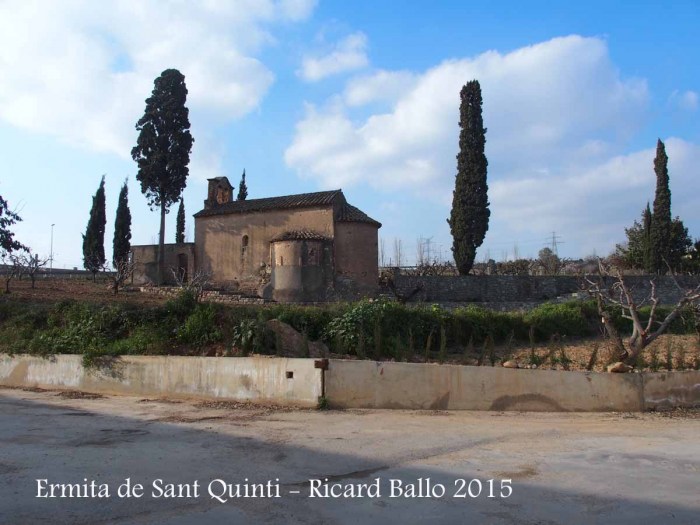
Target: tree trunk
<point>636,347</point>
<point>622,353</point>
<point>161,246</point>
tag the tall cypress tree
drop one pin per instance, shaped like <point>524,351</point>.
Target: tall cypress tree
<point>469,219</point>
<point>180,223</point>
<point>94,238</point>
<point>163,148</point>
<point>661,218</point>
<point>121,245</point>
<point>647,252</point>
<point>242,189</point>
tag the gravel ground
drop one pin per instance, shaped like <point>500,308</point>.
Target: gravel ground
<point>563,468</point>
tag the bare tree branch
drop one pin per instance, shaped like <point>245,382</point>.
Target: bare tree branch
<point>642,335</point>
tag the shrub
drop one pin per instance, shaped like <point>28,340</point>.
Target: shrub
<point>566,319</point>
<point>362,325</point>
<point>200,327</point>
<point>244,336</point>
<point>182,305</point>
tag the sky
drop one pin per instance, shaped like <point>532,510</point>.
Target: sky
<point>363,96</point>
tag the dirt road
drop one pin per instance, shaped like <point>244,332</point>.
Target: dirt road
<point>195,461</point>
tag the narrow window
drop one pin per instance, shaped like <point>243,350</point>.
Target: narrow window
<point>244,249</point>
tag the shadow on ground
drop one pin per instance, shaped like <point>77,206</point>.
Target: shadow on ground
<point>52,439</point>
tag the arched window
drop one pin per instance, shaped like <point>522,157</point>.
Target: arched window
<point>244,249</point>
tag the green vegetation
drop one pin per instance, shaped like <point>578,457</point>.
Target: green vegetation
<point>660,234</point>
<point>657,242</point>
<point>163,148</point>
<point>242,189</point>
<point>121,245</point>
<point>469,218</point>
<point>94,238</point>
<point>375,329</point>
<point>8,218</point>
<point>180,223</point>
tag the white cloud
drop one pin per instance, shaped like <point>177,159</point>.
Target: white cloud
<point>348,55</point>
<point>604,198</point>
<point>546,105</point>
<point>379,86</point>
<point>687,101</point>
<point>560,118</point>
<point>81,70</point>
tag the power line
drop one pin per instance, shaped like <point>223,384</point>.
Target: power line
<point>555,242</point>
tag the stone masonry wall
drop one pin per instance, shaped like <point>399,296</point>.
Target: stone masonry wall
<point>526,288</point>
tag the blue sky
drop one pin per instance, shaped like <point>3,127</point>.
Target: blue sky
<point>362,96</point>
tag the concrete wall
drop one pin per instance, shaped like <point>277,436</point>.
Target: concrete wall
<point>368,384</point>
<point>356,252</point>
<point>249,378</point>
<point>360,384</point>
<point>219,239</point>
<point>524,288</point>
<point>145,259</point>
<point>672,389</point>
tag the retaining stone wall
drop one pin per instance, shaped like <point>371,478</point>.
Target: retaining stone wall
<point>527,288</point>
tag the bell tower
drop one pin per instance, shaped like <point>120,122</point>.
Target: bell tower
<point>220,192</point>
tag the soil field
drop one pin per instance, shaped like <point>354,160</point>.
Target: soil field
<point>79,288</point>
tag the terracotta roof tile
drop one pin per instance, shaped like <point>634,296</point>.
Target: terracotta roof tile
<point>346,213</point>
<point>349,213</point>
<point>299,235</point>
<point>301,200</point>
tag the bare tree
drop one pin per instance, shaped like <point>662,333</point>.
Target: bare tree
<point>30,264</point>
<point>420,252</point>
<point>123,269</point>
<point>434,268</point>
<point>382,252</point>
<point>619,295</point>
<point>194,285</point>
<point>398,251</point>
<point>549,261</point>
<point>10,268</point>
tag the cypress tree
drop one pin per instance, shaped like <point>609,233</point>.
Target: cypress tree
<point>647,252</point>
<point>180,223</point>
<point>94,238</point>
<point>163,148</point>
<point>242,189</point>
<point>469,218</point>
<point>121,245</point>
<point>661,218</point>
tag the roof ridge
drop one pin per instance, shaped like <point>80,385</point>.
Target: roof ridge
<point>299,200</point>
<point>294,195</point>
